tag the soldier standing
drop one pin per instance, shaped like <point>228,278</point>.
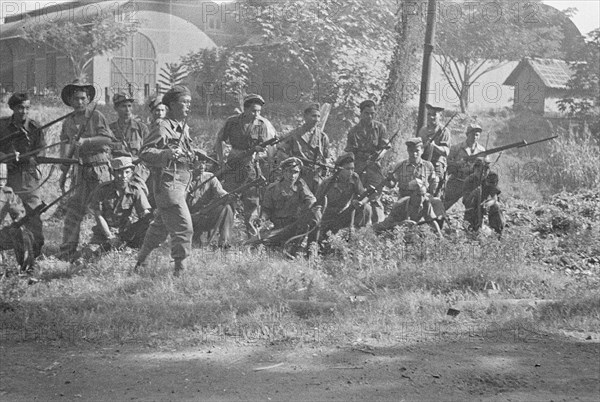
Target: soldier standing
<point>117,206</point>
<point>244,132</point>
<point>436,143</point>
<point>308,142</point>
<point>460,164</point>
<point>23,175</point>
<point>365,140</point>
<point>168,152</point>
<point>92,148</point>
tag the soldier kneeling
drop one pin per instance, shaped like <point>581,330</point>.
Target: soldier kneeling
<point>481,198</point>
<point>121,209</point>
<point>14,236</point>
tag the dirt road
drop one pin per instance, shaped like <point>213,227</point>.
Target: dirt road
<point>508,368</point>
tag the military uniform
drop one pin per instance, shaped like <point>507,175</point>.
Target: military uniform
<point>219,218</point>
<point>459,169</point>
<point>364,141</point>
<point>20,239</point>
<point>130,138</point>
<point>95,157</point>
<point>121,208</point>
<point>242,137</point>
<point>406,171</point>
<point>24,177</point>
<point>170,181</point>
<point>311,144</point>
<point>438,159</point>
<point>481,198</point>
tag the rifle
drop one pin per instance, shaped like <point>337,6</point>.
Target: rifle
<point>63,177</point>
<point>519,144</point>
<point>315,163</point>
<point>45,126</point>
<point>428,154</point>
<point>51,160</point>
<point>16,155</point>
<point>259,181</point>
<point>375,156</point>
<point>40,209</point>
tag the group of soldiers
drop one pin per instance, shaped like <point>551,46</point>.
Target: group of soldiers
<point>146,182</point>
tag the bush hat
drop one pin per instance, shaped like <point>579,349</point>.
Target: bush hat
<point>77,85</point>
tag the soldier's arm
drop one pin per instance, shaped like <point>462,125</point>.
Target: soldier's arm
<point>433,181</point>
<point>221,138</point>
<point>219,190</point>
<point>142,205</point>
<point>308,198</point>
<point>383,137</point>
<point>103,135</point>
<point>351,143</point>
<point>15,209</point>
<point>155,151</point>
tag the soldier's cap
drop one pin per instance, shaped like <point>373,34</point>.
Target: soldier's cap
<point>366,103</point>
<point>122,97</point>
<point>174,93</point>
<point>121,162</point>
<point>311,108</point>
<point>345,158</point>
<point>154,102</point>
<point>492,179</point>
<point>77,85</point>
<point>417,186</point>
<point>17,98</point>
<point>3,171</point>
<point>290,163</point>
<point>253,98</point>
<point>474,127</point>
<point>433,108</point>
<point>413,142</point>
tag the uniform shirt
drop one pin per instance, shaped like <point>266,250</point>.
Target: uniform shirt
<point>457,158</point>
<point>364,140</point>
<point>308,143</point>
<point>116,205</point>
<point>442,140</point>
<point>406,171</point>
<point>97,126</point>
<point>208,192</point>
<point>280,202</point>
<point>133,134</point>
<point>340,192</point>
<point>24,142</point>
<point>165,134</point>
<point>10,204</point>
<point>243,136</point>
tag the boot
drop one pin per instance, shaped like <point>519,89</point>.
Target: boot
<point>179,267</point>
<point>141,264</point>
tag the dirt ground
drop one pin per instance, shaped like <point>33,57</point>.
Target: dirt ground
<point>511,367</point>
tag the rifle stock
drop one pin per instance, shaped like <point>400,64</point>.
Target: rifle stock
<point>40,209</point>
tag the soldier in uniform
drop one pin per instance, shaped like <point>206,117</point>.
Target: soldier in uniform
<point>244,132</point>
<point>308,142</point>
<point>460,165</point>
<point>92,148</point>
<point>121,208</point>
<point>436,143</point>
<point>169,154</point>
<point>20,134</point>
<point>130,134</point>
<point>289,204</point>
<point>20,239</point>
<point>216,219</point>
<point>365,140</point>
<point>158,110</point>
<point>481,197</point>
<point>413,168</point>
<point>343,191</point>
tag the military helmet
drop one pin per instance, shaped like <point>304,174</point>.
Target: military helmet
<point>3,171</point>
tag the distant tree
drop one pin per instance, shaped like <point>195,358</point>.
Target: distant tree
<point>170,75</point>
<point>583,97</point>
<point>479,37</point>
<point>80,42</point>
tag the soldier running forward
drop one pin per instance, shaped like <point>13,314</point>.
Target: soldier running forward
<point>343,190</point>
<point>20,239</point>
<point>289,204</point>
<point>310,143</point>
<point>121,208</point>
<point>130,134</point>
<point>244,132</point>
<point>207,217</point>
<point>436,143</point>
<point>88,131</point>
<point>460,165</point>
<point>365,140</point>
<point>20,134</point>
<point>168,152</point>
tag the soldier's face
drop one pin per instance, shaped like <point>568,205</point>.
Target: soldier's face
<point>253,110</point>
<point>125,110</point>
<point>414,152</point>
<point>347,170</point>
<point>21,111</point>
<point>79,100</point>
<point>311,118</point>
<point>368,114</point>
<point>291,174</point>
<point>181,107</point>
<point>159,112</point>
<point>122,176</point>
<point>473,136</point>
<point>433,119</point>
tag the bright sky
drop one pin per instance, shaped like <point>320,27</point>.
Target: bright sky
<point>586,19</point>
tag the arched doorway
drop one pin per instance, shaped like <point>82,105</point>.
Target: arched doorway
<point>133,67</point>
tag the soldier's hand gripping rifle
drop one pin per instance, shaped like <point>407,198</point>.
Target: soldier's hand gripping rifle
<point>72,148</point>
<point>207,209</point>
<point>39,129</point>
<point>428,149</point>
<point>378,154</point>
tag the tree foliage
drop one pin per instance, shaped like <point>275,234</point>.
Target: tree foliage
<point>480,37</point>
<point>170,75</point>
<point>80,42</point>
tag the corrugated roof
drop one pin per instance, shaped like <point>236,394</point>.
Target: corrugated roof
<point>553,73</point>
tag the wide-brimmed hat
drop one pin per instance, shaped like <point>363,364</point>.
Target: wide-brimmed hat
<point>77,85</point>
<point>474,127</point>
<point>121,162</point>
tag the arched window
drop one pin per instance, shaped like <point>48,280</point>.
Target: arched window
<point>133,68</point>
